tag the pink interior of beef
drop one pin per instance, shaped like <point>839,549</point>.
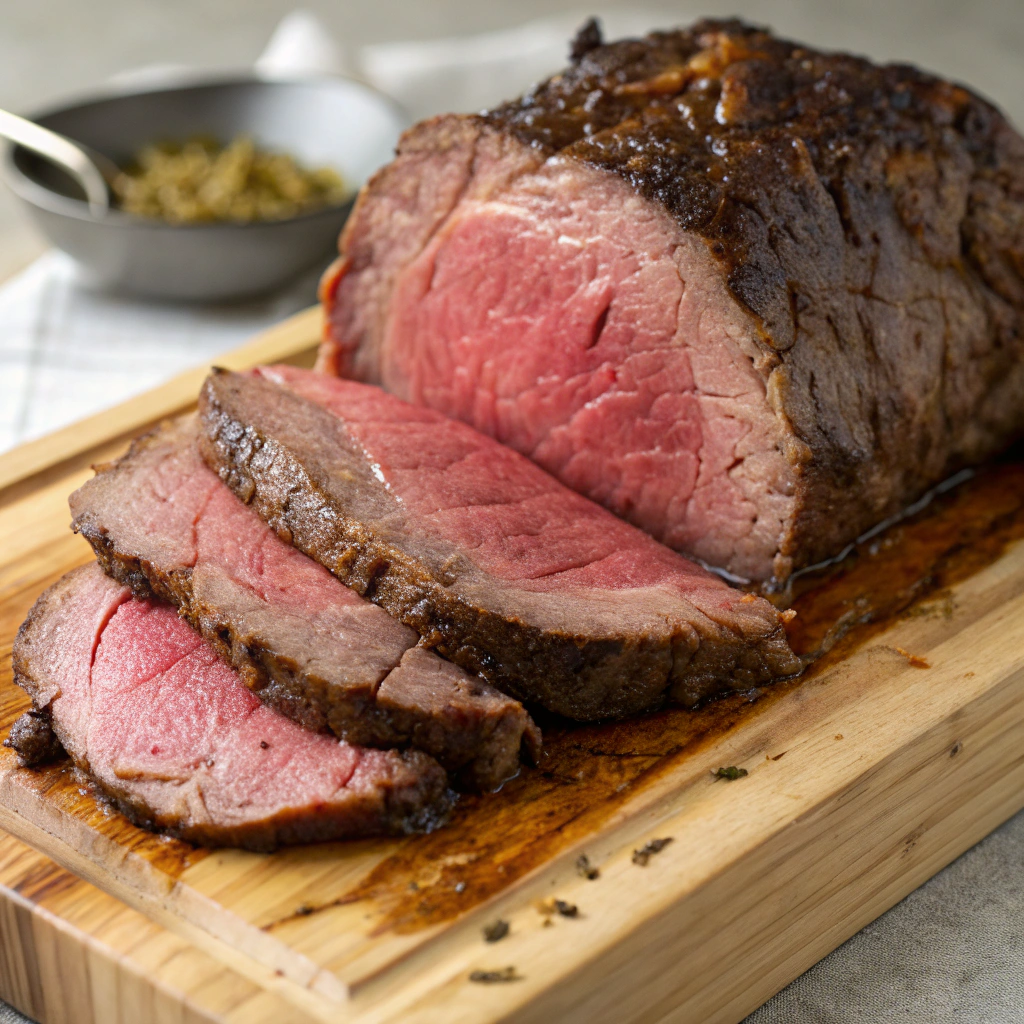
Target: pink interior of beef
<point>70,640</point>
<point>181,502</point>
<point>577,323</point>
<point>233,538</point>
<point>512,519</point>
<point>171,720</point>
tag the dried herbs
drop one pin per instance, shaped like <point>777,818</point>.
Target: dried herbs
<point>491,977</point>
<point>199,181</point>
<point>731,773</point>
<point>561,907</point>
<point>649,849</point>
<point>495,931</point>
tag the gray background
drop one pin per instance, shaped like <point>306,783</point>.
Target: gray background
<point>954,950</point>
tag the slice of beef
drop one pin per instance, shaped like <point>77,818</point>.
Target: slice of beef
<point>161,522</point>
<point>497,565</point>
<point>168,731</point>
<point>752,297</point>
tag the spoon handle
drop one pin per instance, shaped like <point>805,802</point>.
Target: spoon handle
<point>62,151</point>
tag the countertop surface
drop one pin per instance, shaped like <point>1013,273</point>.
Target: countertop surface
<point>954,950</point>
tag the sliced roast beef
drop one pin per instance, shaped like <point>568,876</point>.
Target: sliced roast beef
<point>168,731</point>
<point>497,565</point>
<point>752,297</point>
<point>161,522</point>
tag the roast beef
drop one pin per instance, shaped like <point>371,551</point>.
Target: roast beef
<point>169,733</point>
<point>162,523</point>
<point>493,562</point>
<point>752,297</point>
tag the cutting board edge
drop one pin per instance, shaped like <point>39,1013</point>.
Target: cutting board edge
<point>301,981</point>
<point>60,971</point>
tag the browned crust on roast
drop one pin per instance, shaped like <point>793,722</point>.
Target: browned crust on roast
<point>870,218</point>
<point>576,675</point>
<point>417,800</point>
<point>480,758</point>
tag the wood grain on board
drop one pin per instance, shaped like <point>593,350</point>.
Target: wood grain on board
<point>897,751</point>
<point>71,954</point>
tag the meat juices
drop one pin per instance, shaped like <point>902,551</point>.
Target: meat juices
<point>172,736</point>
<point>498,566</point>
<point>162,523</point>
<point>752,297</point>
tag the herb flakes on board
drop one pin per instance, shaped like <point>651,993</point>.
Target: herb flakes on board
<point>556,906</point>
<point>493,977</point>
<point>731,773</point>
<point>496,931</point>
<point>649,849</point>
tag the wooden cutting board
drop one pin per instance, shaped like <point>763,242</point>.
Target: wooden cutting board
<point>898,750</point>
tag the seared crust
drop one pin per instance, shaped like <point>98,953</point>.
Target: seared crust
<point>292,461</point>
<point>415,801</point>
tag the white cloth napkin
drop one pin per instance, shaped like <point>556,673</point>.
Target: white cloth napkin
<point>67,351</point>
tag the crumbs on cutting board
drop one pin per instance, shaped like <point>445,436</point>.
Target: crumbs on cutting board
<point>553,906</point>
<point>495,931</point>
<point>649,849</point>
<point>492,977</point>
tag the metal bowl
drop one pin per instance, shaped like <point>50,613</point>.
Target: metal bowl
<point>328,121</point>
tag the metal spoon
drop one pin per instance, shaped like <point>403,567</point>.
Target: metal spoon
<point>92,170</point>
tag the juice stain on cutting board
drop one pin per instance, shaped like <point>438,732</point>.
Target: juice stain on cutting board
<point>588,772</point>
